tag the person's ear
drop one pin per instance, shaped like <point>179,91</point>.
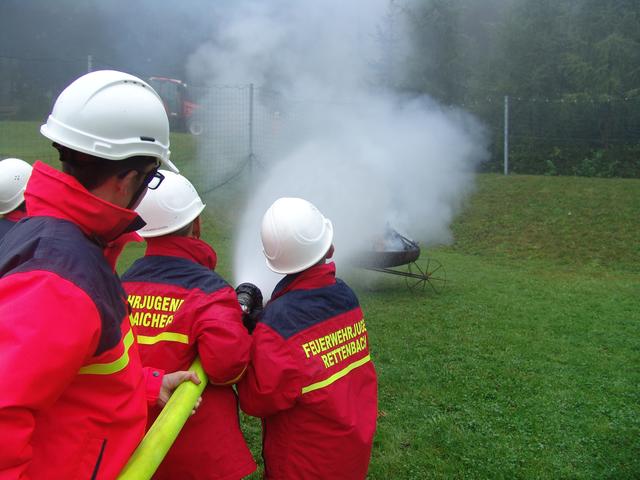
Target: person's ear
<point>128,184</point>
<point>330,251</point>
<point>195,231</point>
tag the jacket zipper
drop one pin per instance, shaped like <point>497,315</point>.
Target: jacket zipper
<point>95,469</point>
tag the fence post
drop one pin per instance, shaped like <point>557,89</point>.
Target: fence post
<point>506,134</point>
<point>251,153</point>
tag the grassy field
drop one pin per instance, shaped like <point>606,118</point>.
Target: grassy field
<point>527,365</point>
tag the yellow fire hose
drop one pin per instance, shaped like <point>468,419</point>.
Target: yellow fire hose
<point>156,443</point>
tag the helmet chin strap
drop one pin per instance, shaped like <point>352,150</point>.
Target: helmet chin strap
<point>196,228</point>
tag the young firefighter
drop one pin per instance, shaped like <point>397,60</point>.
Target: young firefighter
<point>74,402</point>
<point>182,308</point>
<point>310,378</point>
<point>14,174</point>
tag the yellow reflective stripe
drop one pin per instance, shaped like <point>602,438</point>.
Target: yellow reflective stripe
<point>111,367</point>
<point>163,337</point>
<point>336,376</point>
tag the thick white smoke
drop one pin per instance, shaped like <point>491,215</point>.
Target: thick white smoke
<point>365,157</point>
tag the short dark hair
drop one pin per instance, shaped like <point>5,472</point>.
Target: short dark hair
<point>93,171</point>
<point>184,231</point>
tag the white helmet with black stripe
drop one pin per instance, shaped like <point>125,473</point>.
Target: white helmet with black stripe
<point>111,115</point>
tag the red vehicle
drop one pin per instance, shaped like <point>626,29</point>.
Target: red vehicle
<point>182,112</point>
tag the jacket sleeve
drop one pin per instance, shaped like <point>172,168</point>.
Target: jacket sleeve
<point>222,340</point>
<point>152,378</point>
<point>273,381</point>
<point>48,329</point>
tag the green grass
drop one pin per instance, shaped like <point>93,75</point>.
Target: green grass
<point>512,371</point>
<point>572,221</point>
<point>527,365</point>
<point>23,140</point>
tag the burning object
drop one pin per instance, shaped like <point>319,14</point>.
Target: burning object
<point>392,250</point>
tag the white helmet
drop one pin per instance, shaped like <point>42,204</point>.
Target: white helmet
<point>111,115</point>
<point>295,235</point>
<point>170,207</point>
<point>14,174</point>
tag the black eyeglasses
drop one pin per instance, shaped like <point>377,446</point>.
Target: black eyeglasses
<point>153,179</point>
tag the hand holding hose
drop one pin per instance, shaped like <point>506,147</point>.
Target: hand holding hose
<point>156,443</point>
<point>250,300</point>
<point>171,381</point>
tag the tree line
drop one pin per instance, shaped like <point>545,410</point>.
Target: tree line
<point>571,69</point>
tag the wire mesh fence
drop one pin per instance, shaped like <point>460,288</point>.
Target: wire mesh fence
<point>235,128</point>
<point>569,136</point>
<point>230,129</point>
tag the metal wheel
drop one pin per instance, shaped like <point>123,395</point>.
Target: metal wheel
<point>426,271</point>
<point>195,127</point>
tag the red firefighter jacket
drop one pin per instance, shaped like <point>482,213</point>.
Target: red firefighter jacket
<point>9,220</point>
<point>312,381</point>
<point>181,308</point>
<point>113,249</point>
<point>74,400</point>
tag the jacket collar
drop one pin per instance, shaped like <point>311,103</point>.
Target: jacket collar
<point>190,248</point>
<point>52,193</point>
<point>15,215</point>
<point>318,276</point>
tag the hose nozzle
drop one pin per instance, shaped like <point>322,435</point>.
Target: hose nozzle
<point>250,300</point>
